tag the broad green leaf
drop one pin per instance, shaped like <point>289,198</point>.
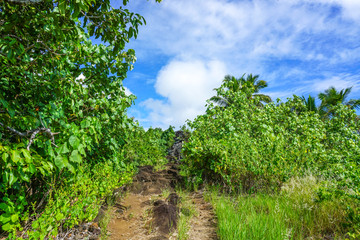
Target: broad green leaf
<point>11,112</point>
<point>27,155</point>
<point>63,149</point>
<point>14,218</point>
<point>85,123</point>
<point>15,156</point>
<point>61,161</point>
<point>81,149</point>
<point>24,176</point>
<point>62,7</point>
<point>75,156</point>
<point>74,141</point>
<point>6,227</point>
<point>32,168</point>
<point>51,152</point>
<point>10,54</point>
<point>42,171</point>
<point>70,167</point>
<point>11,178</point>
<point>51,166</point>
<point>4,207</point>
<point>35,224</point>
<point>5,156</point>
<point>59,216</point>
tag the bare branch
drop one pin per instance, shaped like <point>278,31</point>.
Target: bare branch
<point>14,131</point>
<point>24,1</point>
<point>32,134</point>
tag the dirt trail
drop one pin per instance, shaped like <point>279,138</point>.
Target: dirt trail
<point>203,225</point>
<point>145,214</point>
<point>125,222</point>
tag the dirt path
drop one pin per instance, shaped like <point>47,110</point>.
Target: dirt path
<point>204,224</point>
<point>147,214</point>
<point>127,220</point>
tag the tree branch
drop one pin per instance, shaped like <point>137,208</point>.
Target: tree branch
<point>24,1</point>
<point>14,131</point>
<point>32,134</point>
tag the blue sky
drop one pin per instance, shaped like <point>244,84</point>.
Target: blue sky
<point>300,47</point>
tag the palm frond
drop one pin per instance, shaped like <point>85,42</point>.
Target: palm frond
<point>345,93</point>
<point>223,102</point>
<point>310,103</point>
<point>353,103</point>
<point>263,98</point>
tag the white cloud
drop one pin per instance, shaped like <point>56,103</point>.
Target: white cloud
<point>240,29</point>
<point>339,82</point>
<point>289,43</point>
<point>127,91</point>
<point>186,84</point>
<point>350,8</point>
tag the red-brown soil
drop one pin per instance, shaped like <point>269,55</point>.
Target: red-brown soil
<point>146,214</point>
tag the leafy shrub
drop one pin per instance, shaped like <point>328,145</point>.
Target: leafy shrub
<point>60,131</point>
<point>250,148</point>
<point>148,147</point>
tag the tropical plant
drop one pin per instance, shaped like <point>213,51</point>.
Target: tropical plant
<point>331,97</point>
<point>252,81</point>
<point>310,103</point>
<point>250,85</point>
<point>231,84</point>
<point>62,106</point>
<point>250,149</point>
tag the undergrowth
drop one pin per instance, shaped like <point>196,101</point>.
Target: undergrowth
<point>267,151</point>
<point>295,213</point>
<point>72,199</point>
<point>76,201</point>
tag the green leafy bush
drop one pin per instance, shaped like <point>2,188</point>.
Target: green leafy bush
<point>63,111</point>
<point>148,147</point>
<point>250,148</point>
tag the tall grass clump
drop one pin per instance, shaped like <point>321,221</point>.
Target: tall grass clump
<point>295,213</point>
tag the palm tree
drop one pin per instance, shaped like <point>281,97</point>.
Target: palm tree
<point>253,81</point>
<point>251,85</point>
<point>331,97</point>
<point>310,103</point>
<point>231,84</point>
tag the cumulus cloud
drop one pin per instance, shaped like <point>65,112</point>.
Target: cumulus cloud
<point>293,44</point>
<point>127,91</point>
<point>186,85</point>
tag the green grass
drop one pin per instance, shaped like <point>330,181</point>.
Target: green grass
<point>187,211</point>
<point>294,214</point>
<point>258,217</point>
<point>104,222</point>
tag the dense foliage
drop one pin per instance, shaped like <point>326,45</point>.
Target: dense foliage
<point>250,148</point>
<point>63,120</point>
<point>149,147</point>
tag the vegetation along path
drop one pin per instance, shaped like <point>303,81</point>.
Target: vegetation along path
<point>153,209</point>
